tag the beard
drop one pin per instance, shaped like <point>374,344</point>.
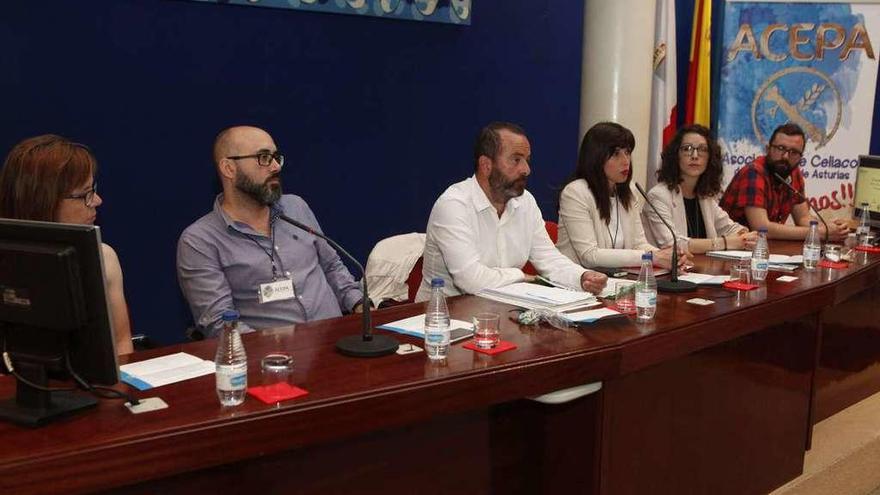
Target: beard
<point>265,194</point>
<point>506,189</point>
<point>781,167</point>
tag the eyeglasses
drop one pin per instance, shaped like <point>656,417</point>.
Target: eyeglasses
<point>787,151</point>
<point>264,158</point>
<point>88,197</point>
<point>689,149</point>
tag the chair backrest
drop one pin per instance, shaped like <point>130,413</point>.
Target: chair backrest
<point>414,280</point>
<point>553,232</point>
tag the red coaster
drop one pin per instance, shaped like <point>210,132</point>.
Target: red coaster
<point>837,265</point>
<point>868,249</point>
<point>501,347</point>
<point>739,286</point>
<point>270,394</point>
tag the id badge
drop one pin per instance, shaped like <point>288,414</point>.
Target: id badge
<point>278,290</point>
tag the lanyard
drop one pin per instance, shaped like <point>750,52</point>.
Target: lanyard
<point>271,251</point>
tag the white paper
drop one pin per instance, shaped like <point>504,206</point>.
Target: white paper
<point>532,296</point>
<point>415,325</point>
<point>166,369</point>
<point>786,278</point>
<point>741,255</point>
<point>704,278</point>
<point>590,315</point>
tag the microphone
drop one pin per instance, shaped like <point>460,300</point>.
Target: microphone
<point>798,194</point>
<point>366,344</point>
<point>673,284</point>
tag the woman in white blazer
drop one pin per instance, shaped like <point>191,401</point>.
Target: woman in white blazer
<point>687,197</point>
<point>599,221</point>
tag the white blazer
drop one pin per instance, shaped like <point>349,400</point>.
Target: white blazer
<point>584,236</point>
<point>670,204</point>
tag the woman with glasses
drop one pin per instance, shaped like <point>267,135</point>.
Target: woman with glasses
<point>599,222</point>
<point>51,179</point>
<point>687,197</point>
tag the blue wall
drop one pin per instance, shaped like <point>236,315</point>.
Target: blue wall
<point>376,116</point>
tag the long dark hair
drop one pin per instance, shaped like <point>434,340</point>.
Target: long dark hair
<point>599,143</point>
<point>709,183</point>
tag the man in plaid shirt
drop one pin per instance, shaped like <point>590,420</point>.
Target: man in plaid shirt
<point>757,199</point>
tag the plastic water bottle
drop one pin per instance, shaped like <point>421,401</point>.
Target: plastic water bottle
<point>760,257</point>
<point>437,322</point>
<point>864,222</point>
<point>231,362</point>
<point>646,290</point>
<point>812,246</point>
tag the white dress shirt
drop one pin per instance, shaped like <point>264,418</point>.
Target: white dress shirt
<point>471,248</point>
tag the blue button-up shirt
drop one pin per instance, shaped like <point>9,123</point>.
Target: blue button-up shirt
<point>221,264</point>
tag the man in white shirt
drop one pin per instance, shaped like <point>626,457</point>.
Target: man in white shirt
<point>483,230</point>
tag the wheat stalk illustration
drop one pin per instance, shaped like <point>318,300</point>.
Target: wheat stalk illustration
<point>810,96</point>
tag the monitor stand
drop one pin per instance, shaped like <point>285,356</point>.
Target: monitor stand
<point>33,407</point>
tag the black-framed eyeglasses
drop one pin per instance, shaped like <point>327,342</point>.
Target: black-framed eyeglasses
<point>787,151</point>
<point>88,197</point>
<point>264,158</point>
<point>689,149</point>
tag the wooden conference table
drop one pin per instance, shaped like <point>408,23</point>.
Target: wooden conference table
<point>704,399</point>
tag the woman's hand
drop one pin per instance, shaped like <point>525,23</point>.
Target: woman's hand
<point>742,240</point>
<point>663,258</point>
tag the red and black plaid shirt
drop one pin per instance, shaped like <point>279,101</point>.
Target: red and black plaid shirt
<point>754,186</point>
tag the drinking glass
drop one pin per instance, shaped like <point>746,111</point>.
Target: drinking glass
<point>625,297</point>
<point>277,368</point>
<point>486,330</point>
<point>741,271</point>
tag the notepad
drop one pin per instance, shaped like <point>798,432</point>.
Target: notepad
<point>164,370</point>
<point>414,326</point>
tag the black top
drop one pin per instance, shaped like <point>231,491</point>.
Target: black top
<point>696,227</point>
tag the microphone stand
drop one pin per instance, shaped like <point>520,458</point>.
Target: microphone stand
<point>798,194</point>
<point>673,284</point>
<point>366,344</point>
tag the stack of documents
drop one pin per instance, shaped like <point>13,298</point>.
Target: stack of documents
<point>533,296</point>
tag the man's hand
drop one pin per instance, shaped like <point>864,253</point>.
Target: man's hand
<point>837,229</point>
<point>593,281</point>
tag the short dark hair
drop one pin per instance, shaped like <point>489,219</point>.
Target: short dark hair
<point>709,183</point>
<point>38,172</point>
<point>599,143</point>
<point>489,141</point>
<point>789,129</point>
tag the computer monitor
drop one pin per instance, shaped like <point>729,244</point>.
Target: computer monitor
<point>54,316</point>
<point>868,187</point>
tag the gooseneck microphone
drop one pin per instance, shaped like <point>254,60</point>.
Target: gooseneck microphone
<point>798,194</point>
<point>673,284</point>
<point>366,344</point>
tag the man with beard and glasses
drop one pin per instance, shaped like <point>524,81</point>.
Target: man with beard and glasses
<point>240,256</point>
<point>755,197</point>
<point>484,229</point>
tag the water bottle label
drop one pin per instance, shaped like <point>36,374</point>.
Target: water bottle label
<point>229,378</point>
<point>646,299</point>
<point>434,337</point>
<point>759,265</point>
<point>811,253</point>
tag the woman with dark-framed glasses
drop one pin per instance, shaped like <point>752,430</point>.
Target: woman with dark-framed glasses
<point>52,179</point>
<point>689,182</point>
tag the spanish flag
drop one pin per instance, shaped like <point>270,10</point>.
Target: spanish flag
<point>699,73</point>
